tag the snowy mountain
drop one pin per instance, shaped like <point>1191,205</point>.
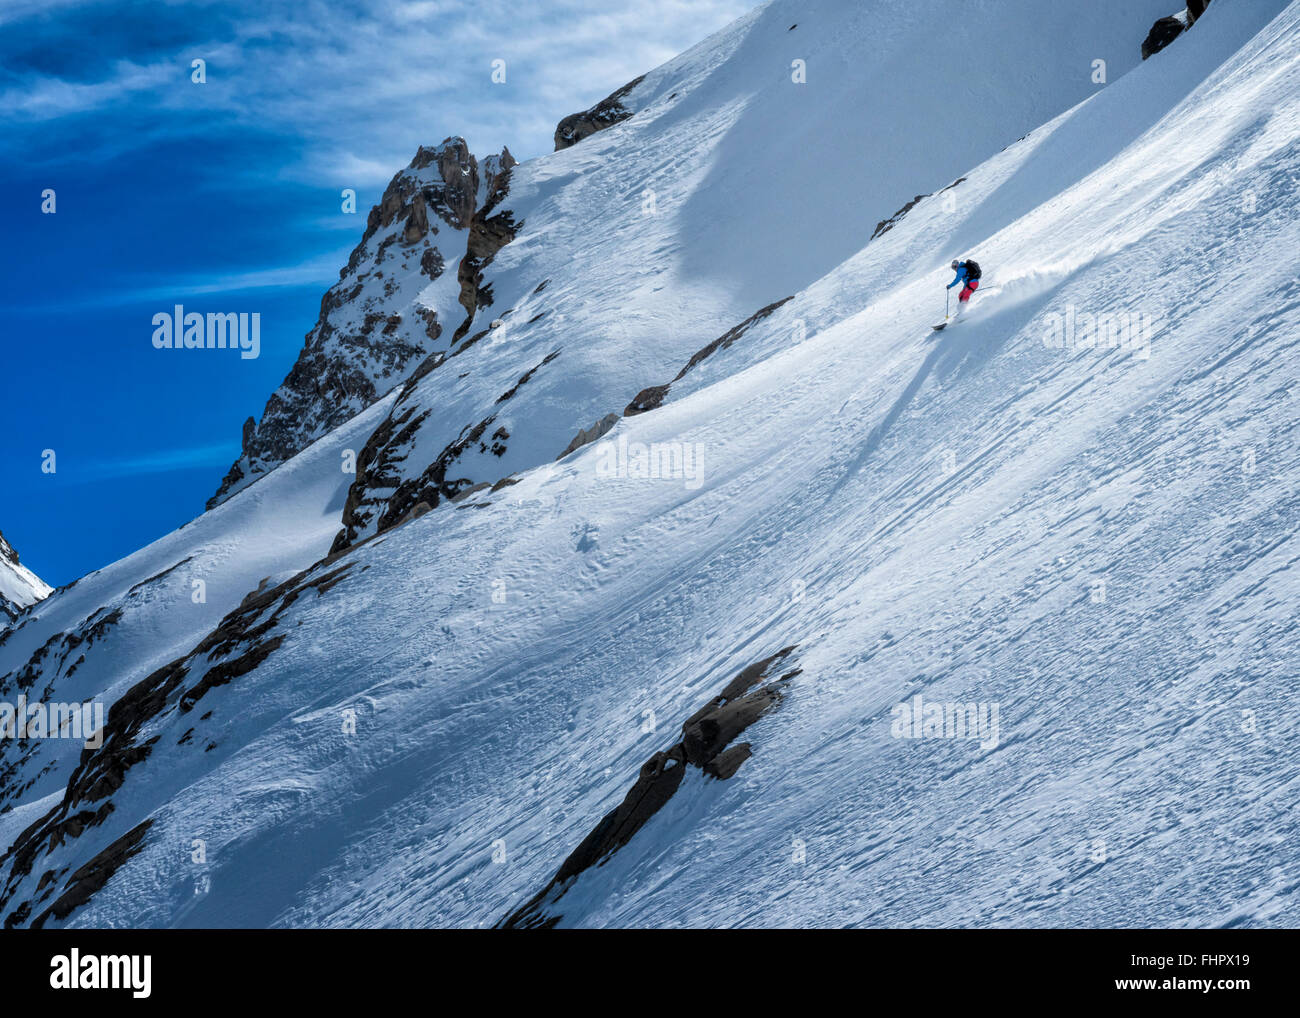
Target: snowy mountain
<point>19,586</point>
<point>710,586</point>
<point>721,186</point>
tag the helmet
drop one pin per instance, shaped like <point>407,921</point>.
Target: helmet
<point>955,264</point>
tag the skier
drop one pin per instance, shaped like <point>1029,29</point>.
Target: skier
<point>969,271</point>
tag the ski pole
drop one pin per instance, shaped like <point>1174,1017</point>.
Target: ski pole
<point>947,294</point>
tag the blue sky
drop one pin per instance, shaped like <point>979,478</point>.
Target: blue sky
<point>225,196</point>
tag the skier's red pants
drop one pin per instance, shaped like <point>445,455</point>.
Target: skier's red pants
<point>971,286</point>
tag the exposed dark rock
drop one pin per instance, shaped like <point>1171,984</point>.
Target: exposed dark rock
<point>650,398</point>
<point>261,586</point>
<point>1162,33</point>
<point>726,763</point>
<point>454,201</point>
<point>437,482</point>
<point>137,587</point>
<point>378,468</point>
<point>95,627</point>
<point>489,232</point>
<point>606,113</point>
<point>589,435</point>
<point>381,496</point>
<point>7,552</point>
<point>94,875</point>
<point>705,738</point>
<point>418,510</point>
<point>229,670</point>
<point>473,489</point>
<point>9,610</point>
<point>417,222</point>
<point>885,225</point>
<point>58,648</point>
<point>432,264</point>
<point>707,732</point>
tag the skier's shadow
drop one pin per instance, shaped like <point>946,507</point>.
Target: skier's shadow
<point>878,433</point>
<point>953,355</point>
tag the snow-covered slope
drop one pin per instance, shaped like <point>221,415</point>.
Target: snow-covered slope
<point>751,166</point>
<point>19,586</point>
<point>96,638</point>
<point>1092,545</point>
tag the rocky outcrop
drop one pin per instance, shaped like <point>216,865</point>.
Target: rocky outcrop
<point>417,223</point>
<point>455,201</point>
<point>89,878</point>
<point>382,497</point>
<point>606,113</point>
<point>705,743</point>
<point>426,217</point>
<point>489,232</point>
<point>1162,33</point>
<point>7,553</point>
<point>1166,30</point>
<point>588,435</point>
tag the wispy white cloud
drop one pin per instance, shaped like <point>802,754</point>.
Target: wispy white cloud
<point>323,269</point>
<point>320,271</point>
<point>164,461</point>
<point>358,171</point>
<point>42,97</point>
<point>354,88</point>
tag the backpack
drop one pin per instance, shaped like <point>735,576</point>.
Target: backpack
<point>972,269</point>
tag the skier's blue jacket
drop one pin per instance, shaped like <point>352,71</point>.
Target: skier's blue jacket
<point>961,275</point>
